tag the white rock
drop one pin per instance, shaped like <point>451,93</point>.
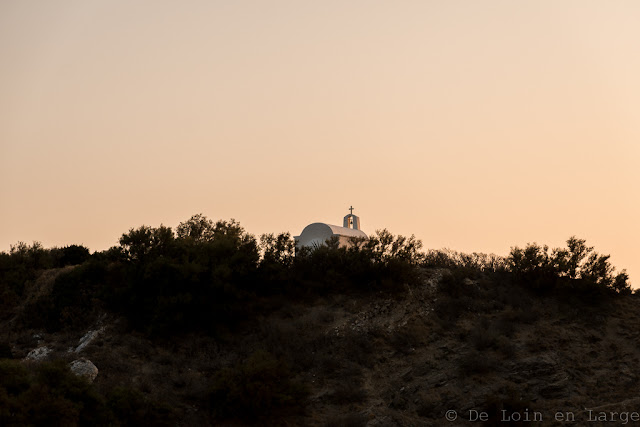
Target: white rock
<point>39,353</point>
<point>84,368</point>
<point>87,338</point>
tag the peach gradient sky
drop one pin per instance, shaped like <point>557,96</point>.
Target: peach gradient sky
<point>475,125</point>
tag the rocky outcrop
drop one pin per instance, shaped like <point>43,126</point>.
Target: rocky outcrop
<point>543,375</point>
<point>84,368</point>
<point>39,354</point>
<point>87,339</point>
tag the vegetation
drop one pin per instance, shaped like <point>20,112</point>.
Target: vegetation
<point>207,275</point>
<point>48,394</point>
<point>214,279</point>
<point>257,387</point>
<point>576,266</point>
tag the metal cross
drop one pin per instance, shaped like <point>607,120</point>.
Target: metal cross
<point>351,209</point>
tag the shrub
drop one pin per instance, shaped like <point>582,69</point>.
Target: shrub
<point>382,262</point>
<point>483,335</point>
<point>14,377</point>
<point>475,262</point>
<point>5,351</point>
<point>70,255</point>
<point>131,408</point>
<point>577,266</point>
<point>48,395</point>
<point>72,299</point>
<point>278,254</point>
<point>258,387</point>
<point>406,339</point>
<point>453,283</point>
<point>448,310</point>
<point>193,282</point>
<point>347,391</point>
<point>384,247</point>
<point>359,348</point>
<point>22,264</point>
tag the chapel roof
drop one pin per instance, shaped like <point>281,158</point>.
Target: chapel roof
<point>335,229</point>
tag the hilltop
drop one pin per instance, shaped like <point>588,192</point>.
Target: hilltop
<point>208,326</point>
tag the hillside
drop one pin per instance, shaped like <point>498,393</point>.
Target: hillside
<point>332,341</point>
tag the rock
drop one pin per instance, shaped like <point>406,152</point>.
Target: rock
<point>536,367</point>
<point>84,368</point>
<point>38,354</point>
<point>87,338</point>
<point>543,375</point>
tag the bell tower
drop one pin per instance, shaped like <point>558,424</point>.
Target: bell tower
<point>351,221</point>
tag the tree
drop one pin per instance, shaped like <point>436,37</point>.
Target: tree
<point>578,252</point>
<point>197,228</point>
<point>138,244</point>
<point>384,246</point>
<point>577,262</point>
<point>278,249</point>
<point>70,255</point>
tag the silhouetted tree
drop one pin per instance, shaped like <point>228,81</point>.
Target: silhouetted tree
<point>578,262</point>
<point>278,249</point>
<point>70,255</point>
<point>139,244</point>
<point>198,228</point>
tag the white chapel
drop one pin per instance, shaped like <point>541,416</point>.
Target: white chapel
<point>318,233</point>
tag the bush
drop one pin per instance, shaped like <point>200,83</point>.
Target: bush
<point>577,266</point>
<point>448,310</point>
<point>278,255</point>
<point>347,391</point>
<point>483,336</point>
<point>471,263</point>
<point>21,265</point>
<point>383,262</point>
<point>72,300</point>
<point>454,284</point>
<point>258,387</point>
<point>14,377</point>
<point>191,282</point>
<point>70,255</point>
<point>48,395</point>
<point>5,351</point>
<point>204,277</point>
<point>408,338</point>
<point>131,408</point>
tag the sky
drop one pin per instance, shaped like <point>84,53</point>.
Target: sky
<point>475,125</point>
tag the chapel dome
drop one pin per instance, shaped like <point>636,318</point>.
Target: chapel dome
<point>317,234</point>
